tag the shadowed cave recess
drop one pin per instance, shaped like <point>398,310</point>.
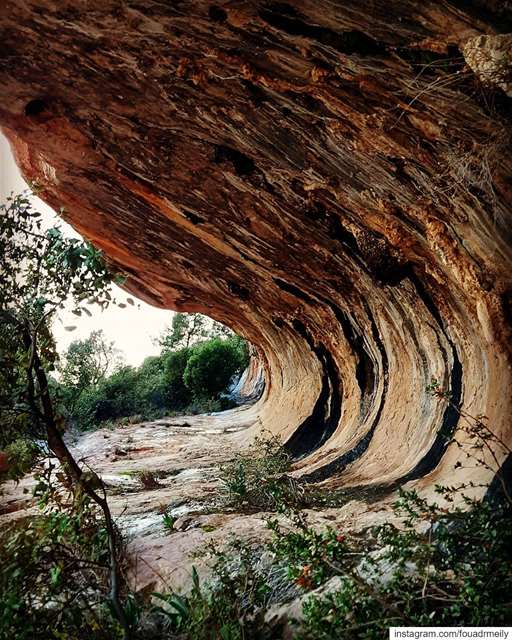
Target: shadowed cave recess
<point>332,180</point>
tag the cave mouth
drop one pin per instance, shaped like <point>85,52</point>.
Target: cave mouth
<point>219,368</point>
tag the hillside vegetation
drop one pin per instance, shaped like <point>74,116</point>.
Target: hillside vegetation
<point>198,361</point>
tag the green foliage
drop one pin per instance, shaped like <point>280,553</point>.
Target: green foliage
<point>439,566</point>
<point>40,270</point>
<point>174,608</point>
<point>210,405</point>
<point>114,397</point>
<point>21,457</point>
<point>168,521</point>
<point>212,366</point>
<point>175,363</point>
<point>309,554</point>
<point>44,574</point>
<point>188,328</point>
<point>152,388</point>
<point>159,386</point>
<point>229,607</point>
<point>84,365</point>
<point>16,419</point>
<point>435,566</point>
<point>349,612</point>
<point>127,392</point>
<point>47,562</point>
<point>258,480</point>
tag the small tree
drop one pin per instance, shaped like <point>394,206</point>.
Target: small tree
<point>85,364</point>
<point>189,328</point>
<point>212,366</point>
<point>39,272</point>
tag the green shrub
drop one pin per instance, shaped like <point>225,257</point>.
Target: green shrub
<point>309,555</point>
<point>438,566</point>
<point>191,379</point>
<point>432,566</point>
<point>175,363</point>
<point>125,393</point>
<point>114,397</point>
<point>21,457</point>
<point>54,577</point>
<point>151,386</point>
<point>212,366</point>
<point>84,364</point>
<point>168,521</point>
<point>226,608</point>
<point>349,612</point>
<point>259,480</point>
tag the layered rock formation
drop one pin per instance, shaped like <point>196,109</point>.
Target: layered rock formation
<point>332,180</point>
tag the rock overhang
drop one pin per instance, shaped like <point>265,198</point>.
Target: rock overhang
<point>331,182</point>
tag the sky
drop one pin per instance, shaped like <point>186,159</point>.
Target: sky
<point>132,329</point>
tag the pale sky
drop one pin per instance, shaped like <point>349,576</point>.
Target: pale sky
<point>132,329</point>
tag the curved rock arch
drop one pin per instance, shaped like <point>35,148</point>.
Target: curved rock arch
<point>333,182</point>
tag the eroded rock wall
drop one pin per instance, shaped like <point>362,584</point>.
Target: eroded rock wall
<point>332,180</point>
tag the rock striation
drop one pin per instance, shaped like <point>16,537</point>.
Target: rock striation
<point>332,180</point>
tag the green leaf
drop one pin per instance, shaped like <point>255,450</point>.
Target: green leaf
<point>55,574</point>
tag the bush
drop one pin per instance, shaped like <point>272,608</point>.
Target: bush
<point>175,363</point>
<point>456,569</point>
<point>21,455</point>
<point>54,577</point>
<point>212,366</point>
<point>259,480</point>
<point>227,607</point>
<point>113,398</point>
<point>127,392</point>
<point>309,555</point>
<point>151,386</point>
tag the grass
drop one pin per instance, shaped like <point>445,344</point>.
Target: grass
<point>168,521</point>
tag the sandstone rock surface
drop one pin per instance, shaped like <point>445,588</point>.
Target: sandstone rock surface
<point>329,179</point>
<point>184,455</point>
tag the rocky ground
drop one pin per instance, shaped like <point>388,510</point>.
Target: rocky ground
<point>182,457</point>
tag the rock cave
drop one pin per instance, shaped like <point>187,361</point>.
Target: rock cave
<point>331,180</point>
